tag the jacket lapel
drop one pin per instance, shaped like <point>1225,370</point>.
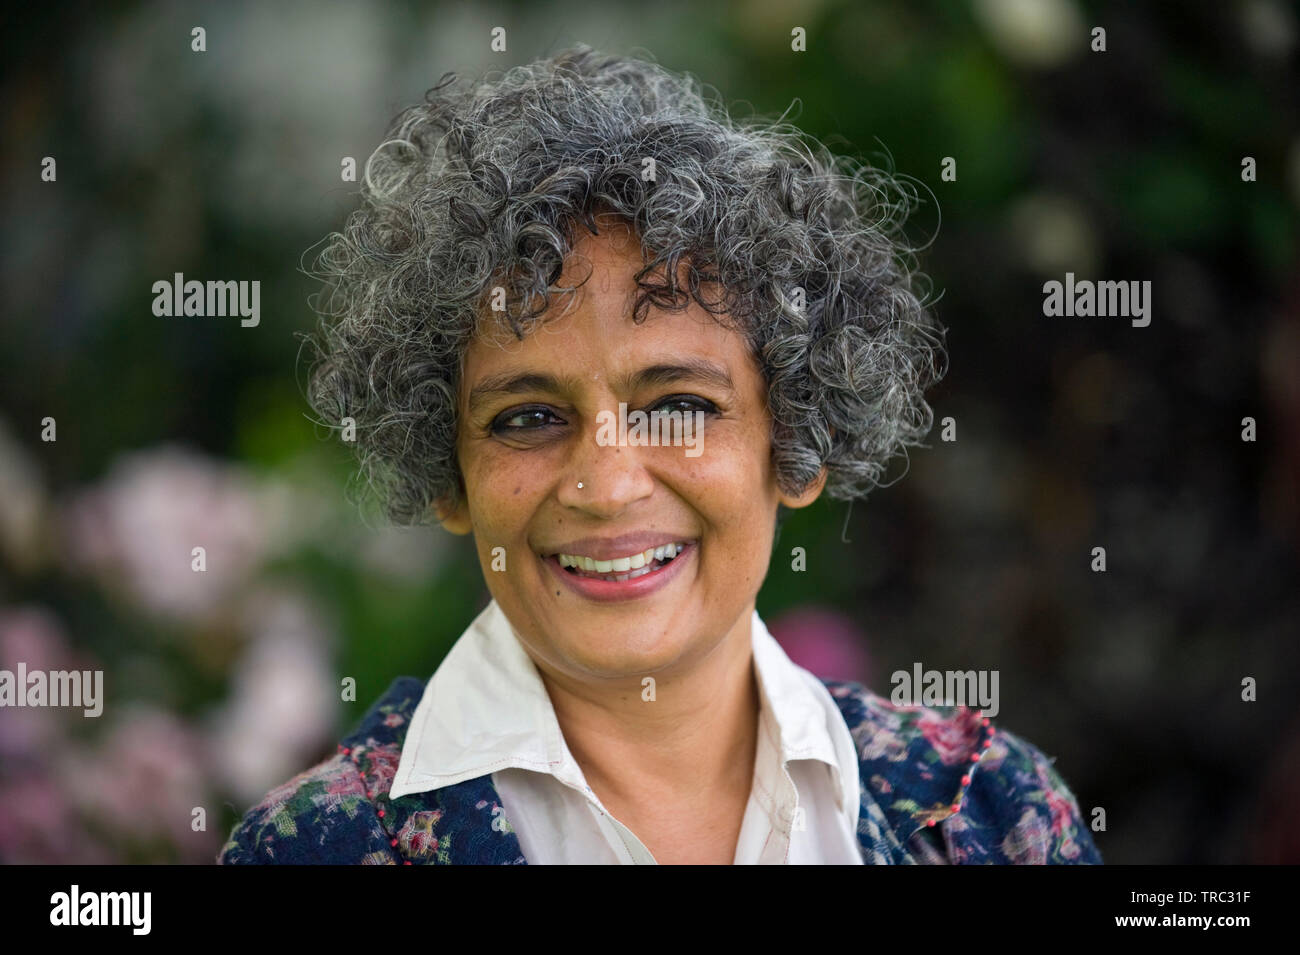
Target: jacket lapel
<point>913,767</point>
<point>462,824</point>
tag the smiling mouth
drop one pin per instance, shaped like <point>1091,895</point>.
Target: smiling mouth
<point>622,568</point>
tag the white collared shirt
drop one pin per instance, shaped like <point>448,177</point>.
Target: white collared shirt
<point>486,710</point>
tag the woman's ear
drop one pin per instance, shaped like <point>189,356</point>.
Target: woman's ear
<point>808,495</point>
<point>454,519</point>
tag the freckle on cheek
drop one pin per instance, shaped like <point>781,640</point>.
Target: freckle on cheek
<point>517,490</point>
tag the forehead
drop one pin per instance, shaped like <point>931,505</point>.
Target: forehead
<point>591,333</point>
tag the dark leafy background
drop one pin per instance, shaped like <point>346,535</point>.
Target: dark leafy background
<point>1071,433</point>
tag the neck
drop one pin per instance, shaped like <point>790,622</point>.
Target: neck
<point>695,739</point>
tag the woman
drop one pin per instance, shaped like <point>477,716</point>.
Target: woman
<point>589,319</point>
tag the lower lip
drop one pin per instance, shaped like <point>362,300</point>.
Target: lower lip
<point>614,590</point>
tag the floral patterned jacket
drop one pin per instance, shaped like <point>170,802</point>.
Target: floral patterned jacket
<point>939,785</point>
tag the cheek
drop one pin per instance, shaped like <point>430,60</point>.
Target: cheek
<point>734,464</point>
<point>730,485</point>
<point>502,490</point>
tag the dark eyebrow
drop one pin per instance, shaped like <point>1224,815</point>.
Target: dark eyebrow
<point>508,384</point>
<point>686,369</point>
<point>665,373</point>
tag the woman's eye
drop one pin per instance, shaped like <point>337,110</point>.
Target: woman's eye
<point>524,419</point>
<point>685,404</point>
<point>520,422</point>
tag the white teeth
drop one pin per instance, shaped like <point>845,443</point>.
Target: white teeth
<point>623,568</point>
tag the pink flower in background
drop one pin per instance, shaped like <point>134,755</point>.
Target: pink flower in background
<point>824,642</point>
<point>142,782</point>
<point>137,529</point>
<point>123,783</point>
<point>124,787</point>
<point>284,697</point>
<point>38,825</point>
<point>34,636</point>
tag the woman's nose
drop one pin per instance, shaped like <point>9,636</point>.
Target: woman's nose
<point>604,478</point>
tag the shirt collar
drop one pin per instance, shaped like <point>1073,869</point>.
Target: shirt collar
<point>486,708</point>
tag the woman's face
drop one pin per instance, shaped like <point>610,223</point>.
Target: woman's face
<point>531,434</point>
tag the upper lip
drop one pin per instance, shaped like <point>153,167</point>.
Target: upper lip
<point>608,548</point>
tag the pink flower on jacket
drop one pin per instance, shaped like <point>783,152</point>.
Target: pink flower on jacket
<point>416,837</point>
<point>1062,811</point>
<point>1027,843</point>
<point>1069,848</point>
<point>381,766</point>
<point>959,850</point>
<point>952,737</point>
<point>883,713</point>
<point>341,778</point>
<point>882,743</point>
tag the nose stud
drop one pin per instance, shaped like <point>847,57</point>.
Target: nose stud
<point>579,485</point>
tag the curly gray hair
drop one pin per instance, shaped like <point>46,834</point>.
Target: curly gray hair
<point>485,185</point>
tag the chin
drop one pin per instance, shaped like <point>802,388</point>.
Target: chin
<point>603,657</point>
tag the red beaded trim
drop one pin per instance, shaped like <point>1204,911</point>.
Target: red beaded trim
<point>974,758</point>
<point>372,796</point>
